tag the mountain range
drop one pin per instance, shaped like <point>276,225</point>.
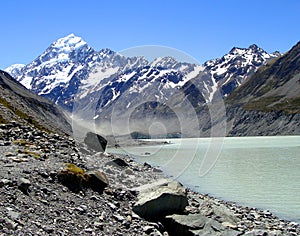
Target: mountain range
<point>106,87</point>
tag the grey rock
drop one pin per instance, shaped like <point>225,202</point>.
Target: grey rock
<point>97,181</point>
<point>148,229</point>
<point>4,182</point>
<point>48,229</point>
<point>9,154</point>
<point>119,217</point>
<point>80,209</point>
<point>118,162</point>
<point>10,224</point>
<point>257,232</point>
<point>99,224</point>
<point>112,206</point>
<point>24,185</point>
<point>219,211</point>
<point>196,224</point>
<point>13,214</point>
<point>159,201</point>
<point>155,233</point>
<point>95,142</point>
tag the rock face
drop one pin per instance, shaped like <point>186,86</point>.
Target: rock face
<point>158,201</point>
<point>95,142</point>
<point>257,123</point>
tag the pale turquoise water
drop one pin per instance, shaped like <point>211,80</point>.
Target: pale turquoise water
<point>261,172</point>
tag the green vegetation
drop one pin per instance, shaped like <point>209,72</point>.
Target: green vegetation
<point>73,177</point>
<point>22,142</point>
<point>22,115</point>
<point>74,169</point>
<point>289,106</point>
<point>268,86</point>
<point>29,152</point>
<point>2,120</point>
<point>268,104</point>
<point>262,104</point>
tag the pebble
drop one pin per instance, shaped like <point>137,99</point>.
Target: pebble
<point>24,185</point>
<point>148,229</point>
<point>118,217</point>
<point>112,206</point>
<point>4,182</point>
<point>13,214</point>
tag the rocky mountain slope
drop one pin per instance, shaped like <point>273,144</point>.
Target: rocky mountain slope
<point>19,104</point>
<point>101,86</point>
<point>268,102</point>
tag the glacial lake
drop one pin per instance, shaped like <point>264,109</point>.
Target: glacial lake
<point>262,172</point>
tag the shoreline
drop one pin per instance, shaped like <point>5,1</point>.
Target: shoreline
<point>284,214</point>
<point>245,205</point>
<point>251,218</point>
<point>34,199</point>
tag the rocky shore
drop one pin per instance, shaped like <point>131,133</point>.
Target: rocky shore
<point>113,195</point>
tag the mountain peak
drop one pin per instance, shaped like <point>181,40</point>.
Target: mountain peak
<point>70,40</point>
<point>70,47</point>
<point>106,51</point>
<point>254,47</point>
<point>165,62</point>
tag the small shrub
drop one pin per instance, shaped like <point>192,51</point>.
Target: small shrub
<point>73,177</point>
<point>31,153</point>
<point>22,142</point>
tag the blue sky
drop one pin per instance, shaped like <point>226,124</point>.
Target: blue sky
<point>204,29</point>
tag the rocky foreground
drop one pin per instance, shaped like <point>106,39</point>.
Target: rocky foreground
<point>51,185</point>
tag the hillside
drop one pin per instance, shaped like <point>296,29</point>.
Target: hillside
<point>19,104</point>
<point>268,103</point>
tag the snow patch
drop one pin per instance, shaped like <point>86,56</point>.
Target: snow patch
<point>57,78</point>
<point>26,82</point>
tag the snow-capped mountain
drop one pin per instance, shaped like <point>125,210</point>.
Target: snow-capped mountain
<point>15,69</point>
<point>100,82</point>
<point>232,69</point>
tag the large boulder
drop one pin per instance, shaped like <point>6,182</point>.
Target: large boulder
<point>95,142</point>
<point>162,198</point>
